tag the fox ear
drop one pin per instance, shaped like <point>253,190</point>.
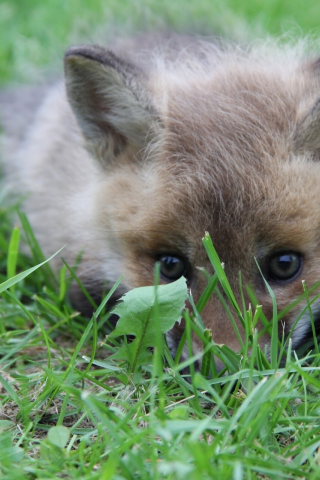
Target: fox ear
<point>106,95</point>
<point>306,135</point>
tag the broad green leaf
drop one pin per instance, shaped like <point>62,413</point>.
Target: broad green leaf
<point>144,312</point>
<point>5,425</point>
<point>59,436</point>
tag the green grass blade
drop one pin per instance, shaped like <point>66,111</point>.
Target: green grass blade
<point>17,278</point>
<point>13,253</point>
<point>274,333</point>
<point>218,268</point>
<point>36,251</point>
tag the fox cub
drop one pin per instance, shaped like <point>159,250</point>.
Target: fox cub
<point>149,144</point>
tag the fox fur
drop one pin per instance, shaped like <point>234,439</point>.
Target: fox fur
<point>145,146</point>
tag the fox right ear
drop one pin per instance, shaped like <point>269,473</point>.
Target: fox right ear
<point>306,136</point>
<point>108,98</point>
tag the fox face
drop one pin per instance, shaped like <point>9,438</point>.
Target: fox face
<point>138,154</point>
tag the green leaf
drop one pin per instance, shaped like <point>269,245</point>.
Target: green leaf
<point>5,425</point>
<point>144,312</point>
<point>9,453</point>
<point>59,436</point>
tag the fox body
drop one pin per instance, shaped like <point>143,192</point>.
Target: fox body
<point>146,146</point>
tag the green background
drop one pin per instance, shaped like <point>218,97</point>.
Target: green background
<point>35,33</point>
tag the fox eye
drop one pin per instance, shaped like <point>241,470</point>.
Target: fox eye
<point>172,267</point>
<point>284,266</point>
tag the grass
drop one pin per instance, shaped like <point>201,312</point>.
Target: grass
<point>69,410</point>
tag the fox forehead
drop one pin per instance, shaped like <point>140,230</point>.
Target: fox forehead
<point>226,151</point>
<point>256,213</point>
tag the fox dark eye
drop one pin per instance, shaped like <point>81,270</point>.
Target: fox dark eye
<point>172,267</point>
<point>284,266</point>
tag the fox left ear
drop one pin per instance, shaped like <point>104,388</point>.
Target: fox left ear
<point>306,136</point>
<point>108,97</point>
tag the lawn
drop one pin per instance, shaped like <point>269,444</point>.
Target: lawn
<point>74,404</point>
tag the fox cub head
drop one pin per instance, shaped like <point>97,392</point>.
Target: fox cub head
<point>206,139</point>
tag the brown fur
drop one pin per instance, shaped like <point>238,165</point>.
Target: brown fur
<point>150,149</point>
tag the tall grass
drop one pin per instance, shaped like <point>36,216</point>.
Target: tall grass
<point>68,409</point>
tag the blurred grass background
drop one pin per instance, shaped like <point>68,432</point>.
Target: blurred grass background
<point>35,33</point>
